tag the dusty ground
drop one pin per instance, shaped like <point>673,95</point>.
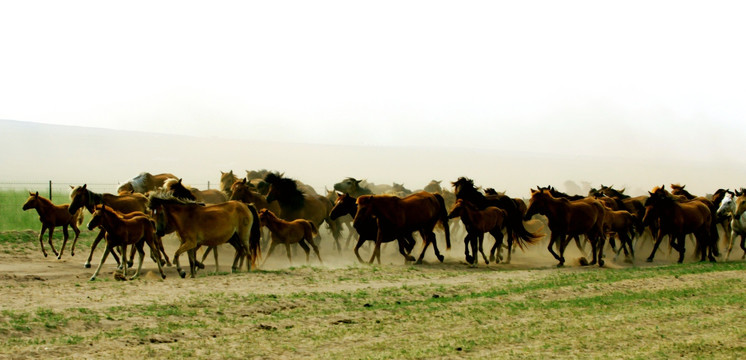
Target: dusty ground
<point>50,309</point>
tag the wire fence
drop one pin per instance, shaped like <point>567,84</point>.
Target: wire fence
<point>53,189</point>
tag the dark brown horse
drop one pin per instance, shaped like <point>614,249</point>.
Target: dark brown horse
<point>568,219</point>
<point>677,219</point>
<point>298,231</point>
<point>295,204</point>
<point>367,229</point>
<point>121,232</point>
<point>143,183</point>
<point>51,216</point>
<point>210,225</point>
<point>477,222</point>
<point>210,196</point>
<point>679,190</point>
<point>620,223</point>
<point>80,196</point>
<point>516,231</point>
<point>635,205</point>
<point>397,217</point>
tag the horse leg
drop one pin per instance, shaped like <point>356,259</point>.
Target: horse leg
<point>481,251</point>
<point>161,251</point>
<point>467,242</point>
<point>141,252</point>
<point>377,248</point>
<point>474,243</point>
<point>580,246</point>
<point>550,247</point>
<point>217,266</point>
<point>41,239</point>
<point>74,226</point>
<point>600,246</point>
<point>306,249</point>
<point>498,235</point>
<point>287,248</point>
<point>655,246</point>
<point>437,251</point>
<point>510,242</point>
<point>402,243</point>
<point>100,264</point>
<point>98,238</point>
<point>184,247</point>
<point>65,236</point>
<point>154,250</point>
<point>123,252</point>
<point>426,241</point>
<point>269,252</point>
<point>51,231</point>
<point>360,243</point>
<point>743,246</point>
<point>681,239</point>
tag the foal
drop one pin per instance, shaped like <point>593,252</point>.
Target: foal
<point>477,222</point>
<point>289,232</point>
<point>122,232</point>
<point>51,216</point>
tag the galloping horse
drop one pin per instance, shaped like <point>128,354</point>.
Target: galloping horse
<point>298,231</point>
<point>621,223</point>
<point>367,229</point>
<point>678,190</point>
<point>51,216</point>
<point>516,231</point>
<point>210,196</point>
<point>568,219</point>
<point>295,204</point>
<point>121,232</point>
<point>209,225</point>
<point>80,196</point>
<point>734,209</point>
<point>397,217</point>
<point>677,219</point>
<point>635,205</point>
<point>478,222</point>
<point>143,183</point>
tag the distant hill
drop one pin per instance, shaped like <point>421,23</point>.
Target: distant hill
<point>40,152</point>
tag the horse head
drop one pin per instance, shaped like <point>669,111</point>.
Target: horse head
<point>31,202</point>
<point>538,203</point>
<point>80,197</point>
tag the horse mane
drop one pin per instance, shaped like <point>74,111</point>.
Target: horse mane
<point>286,190</point>
<point>160,197</point>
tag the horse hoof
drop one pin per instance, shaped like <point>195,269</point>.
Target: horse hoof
<point>492,258</point>
<point>441,258</point>
<point>45,255</point>
<point>560,265</point>
<point>92,279</point>
<point>649,260</point>
<point>163,276</point>
<point>59,257</point>
<point>418,262</point>
<point>200,265</point>
<point>600,263</point>
<point>87,266</point>
<point>182,274</point>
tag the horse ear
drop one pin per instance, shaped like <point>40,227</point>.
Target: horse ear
<point>84,186</point>
<point>651,194</point>
<point>72,187</point>
<point>180,180</point>
<point>244,181</point>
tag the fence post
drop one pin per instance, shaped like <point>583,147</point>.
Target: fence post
<point>208,185</point>
<point>50,190</point>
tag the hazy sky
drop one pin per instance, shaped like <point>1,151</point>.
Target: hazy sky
<point>626,79</point>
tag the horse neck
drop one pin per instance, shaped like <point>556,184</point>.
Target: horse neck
<point>112,222</point>
<point>273,222</point>
<point>554,207</point>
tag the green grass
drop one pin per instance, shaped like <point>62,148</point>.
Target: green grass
<point>12,216</point>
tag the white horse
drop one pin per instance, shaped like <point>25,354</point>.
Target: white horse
<point>735,208</point>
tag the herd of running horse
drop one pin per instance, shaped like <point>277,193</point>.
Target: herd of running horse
<point>148,207</point>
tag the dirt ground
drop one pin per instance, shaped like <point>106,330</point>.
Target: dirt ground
<point>31,282</point>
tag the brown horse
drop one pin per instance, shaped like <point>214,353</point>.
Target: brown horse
<point>143,183</point>
<point>289,232</point>
<point>80,196</point>
<point>477,222</point>
<point>210,196</point>
<point>635,205</point>
<point>398,217</point>
<point>121,232</point>
<point>345,219</point>
<point>569,219</point>
<point>679,190</point>
<point>620,223</point>
<point>367,229</point>
<point>516,230</point>
<point>51,216</point>
<point>295,204</point>
<point>677,219</point>
<point>210,225</point>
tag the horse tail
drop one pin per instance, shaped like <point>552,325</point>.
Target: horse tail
<point>443,212</point>
<point>521,236</point>
<point>78,217</point>
<point>255,249</point>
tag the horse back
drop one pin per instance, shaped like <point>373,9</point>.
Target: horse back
<point>411,212</point>
<point>126,203</point>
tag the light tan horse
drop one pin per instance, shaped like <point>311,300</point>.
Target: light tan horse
<point>210,225</point>
<point>143,183</point>
<point>121,232</point>
<point>51,216</point>
<point>298,231</point>
<point>226,181</point>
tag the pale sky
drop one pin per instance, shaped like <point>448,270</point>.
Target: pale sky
<point>627,79</point>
